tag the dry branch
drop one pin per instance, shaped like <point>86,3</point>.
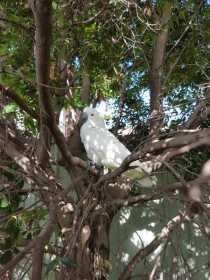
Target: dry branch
<point>43,238</point>
<point>170,148</point>
<point>164,234</point>
<point>201,113</point>
<point>19,101</point>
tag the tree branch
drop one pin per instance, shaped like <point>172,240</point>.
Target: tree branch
<point>42,14</point>
<point>85,90</point>
<point>201,113</point>
<point>171,147</point>
<point>158,53</point>
<point>42,11</point>
<point>42,237</point>
<point>159,192</point>
<point>16,151</point>
<point>15,23</point>
<point>93,18</point>
<point>41,240</point>
<point>164,234</point>
<point>20,101</point>
<point>180,139</point>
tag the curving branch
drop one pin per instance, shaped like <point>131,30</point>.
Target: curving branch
<point>42,238</point>
<point>93,18</point>
<point>43,21</point>
<point>16,24</point>
<point>201,113</point>
<point>143,253</point>
<point>14,148</point>
<point>179,140</point>
<point>19,101</point>
<point>170,147</point>
<point>141,199</point>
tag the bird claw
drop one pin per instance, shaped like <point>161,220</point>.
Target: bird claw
<point>93,165</point>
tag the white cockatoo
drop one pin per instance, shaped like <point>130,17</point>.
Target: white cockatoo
<point>103,148</point>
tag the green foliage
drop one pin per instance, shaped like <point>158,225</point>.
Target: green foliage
<point>10,108</point>
<point>4,203</point>
<point>6,257</point>
<point>58,261</point>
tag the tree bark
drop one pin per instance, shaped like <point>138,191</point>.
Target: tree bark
<point>42,11</point>
<point>156,70</point>
<point>85,91</point>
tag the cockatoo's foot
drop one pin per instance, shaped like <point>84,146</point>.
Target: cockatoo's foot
<point>92,164</point>
<point>98,168</point>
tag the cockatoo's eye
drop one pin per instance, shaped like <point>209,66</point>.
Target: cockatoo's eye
<point>92,115</point>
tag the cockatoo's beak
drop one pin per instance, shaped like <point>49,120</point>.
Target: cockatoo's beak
<point>83,118</point>
<point>100,117</point>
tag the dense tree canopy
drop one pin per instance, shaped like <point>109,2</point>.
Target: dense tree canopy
<point>61,217</point>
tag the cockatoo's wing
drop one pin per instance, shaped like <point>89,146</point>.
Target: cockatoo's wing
<point>103,147</point>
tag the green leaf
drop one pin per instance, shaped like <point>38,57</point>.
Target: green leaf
<point>59,261</point>
<point>54,5</point>
<point>10,108</point>
<point>89,29</point>
<point>14,226</point>
<point>67,261</point>
<point>52,265</point>
<point>6,257</point>
<point>30,124</point>
<point>4,203</point>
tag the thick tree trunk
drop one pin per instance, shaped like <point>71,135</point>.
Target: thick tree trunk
<point>42,11</point>
<point>93,258</point>
<point>156,70</point>
<point>88,248</point>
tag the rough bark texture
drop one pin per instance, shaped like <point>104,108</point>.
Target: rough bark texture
<point>85,91</point>
<point>42,11</point>
<point>156,70</point>
<point>201,113</point>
